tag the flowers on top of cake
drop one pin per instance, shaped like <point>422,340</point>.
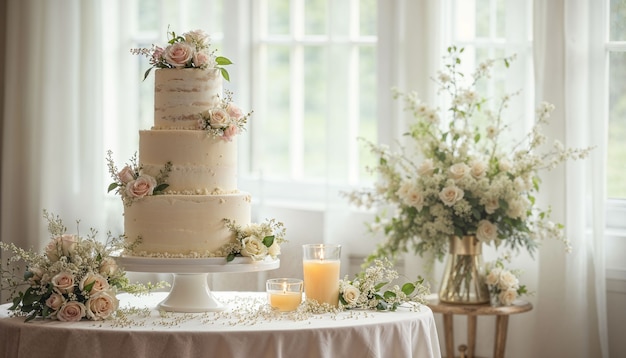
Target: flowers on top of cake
<point>192,49</point>
<point>255,240</point>
<point>224,121</point>
<point>76,277</point>
<point>132,184</point>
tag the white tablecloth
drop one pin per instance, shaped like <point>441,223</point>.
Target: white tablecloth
<point>242,330</point>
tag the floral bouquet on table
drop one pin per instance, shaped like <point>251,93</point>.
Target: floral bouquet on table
<point>75,278</point>
<point>466,177</point>
<point>504,285</point>
<point>373,289</point>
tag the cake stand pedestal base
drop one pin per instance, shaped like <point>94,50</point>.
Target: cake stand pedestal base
<point>191,293</point>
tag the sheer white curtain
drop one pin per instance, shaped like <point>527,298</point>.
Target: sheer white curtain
<point>52,138</point>
<point>571,294</point>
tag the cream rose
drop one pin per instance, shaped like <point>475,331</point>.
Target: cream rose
<point>493,277</point>
<point>219,118</point>
<point>68,244</point>
<point>197,37</point>
<point>507,297</point>
<point>504,165</point>
<point>351,294</point>
<point>458,171</point>
<point>508,281</point>
<point>450,195</point>
<point>491,205</point>
<point>99,283</point>
<point>415,199</point>
<point>53,251</point>
<point>426,168</point>
<point>71,311</point>
<point>101,305</point>
<point>63,282</point>
<point>142,186</point>
<point>126,175</point>
<point>478,169</point>
<point>179,54</point>
<point>486,231</point>
<point>253,247</point>
<point>108,267</point>
<point>55,301</point>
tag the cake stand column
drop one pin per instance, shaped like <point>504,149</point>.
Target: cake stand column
<point>191,293</point>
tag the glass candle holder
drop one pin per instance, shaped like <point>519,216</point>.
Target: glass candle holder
<point>321,267</point>
<point>284,294</point>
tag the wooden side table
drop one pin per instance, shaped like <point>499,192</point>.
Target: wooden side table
<point>472,311</point>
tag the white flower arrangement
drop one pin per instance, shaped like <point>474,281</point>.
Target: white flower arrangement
<point>189,50</point>
<point>132,184</point>
<point>465,178</point>
<point>504,286</point>
<point>373,289</point>
<point>75,278</point>
<point>255,240</point>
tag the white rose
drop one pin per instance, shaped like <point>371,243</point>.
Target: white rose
<point>68,244</point>
<point>55,301</point>
<point>493,277</point>
<point>197,37</point>
<point>451,194</point>
<point>101,305</point>
<point>491,205</point>
<point>426,168</point>
<point>507,297</point>
<point>71,311</point>
<point>253,247</point>
<point>504,165</point>
<point>458,171</point>
<point>478,169</point>
<point>508,281</point>
<point>351,294</point>
<point>99,283</point>
<point>274,250</point>
<point>486,231</point>
<point>63,282</point>
<point>415,199</point>
<point>219,118</point>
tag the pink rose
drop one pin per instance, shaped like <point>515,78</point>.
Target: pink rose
<point>101,305</point>
<point>230,132</point>
<point>53,252</point>
<point>201,59</point>
<point>71,311</point>
<point>140,187</point>
<point>126,175</point>
<point>219,118</point>
<point>55,301</point>
<point>179,54</point>
<point>63,282</point>
<point>234,111</point>
<point>99,283</point>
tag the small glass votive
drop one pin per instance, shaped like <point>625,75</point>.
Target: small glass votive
<point>284,294</point>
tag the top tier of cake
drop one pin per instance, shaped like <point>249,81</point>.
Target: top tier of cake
<point>180,96</point>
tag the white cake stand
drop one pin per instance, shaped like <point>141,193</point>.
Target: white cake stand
<point>190,290</point>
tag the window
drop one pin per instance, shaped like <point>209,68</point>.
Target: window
<point>616,51</point>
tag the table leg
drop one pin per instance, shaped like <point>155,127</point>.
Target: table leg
<point>471,335</point>
<point>502,322</point>
<point>448,334</point>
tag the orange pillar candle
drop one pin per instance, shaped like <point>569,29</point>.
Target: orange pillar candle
<point>321,267</point>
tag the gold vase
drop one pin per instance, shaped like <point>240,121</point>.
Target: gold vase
<point>463,279</point>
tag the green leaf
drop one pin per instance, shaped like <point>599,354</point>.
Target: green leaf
<point>89,286</point>
<point>223,61</point>
<point>225,74</point>
<point>31,316</point>
<point>160,188</point>
<point>230,257</point>
<point>145,75</point>
<point>408,288</point>
<point>268,241</point>
<point>112,186</point>
<point>476,137</point>
<point>30,297</point>
<point>16,302</point>
<point>389,294</point>
<point>380,285</point>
